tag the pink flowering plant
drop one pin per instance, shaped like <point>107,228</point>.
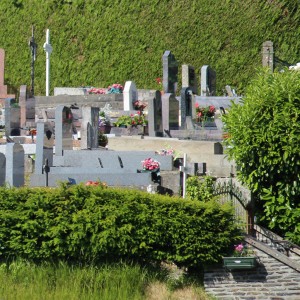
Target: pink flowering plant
<point>115,88</point>
<point>150,164</point>
<point>139,105</point>
<point>241,250</point>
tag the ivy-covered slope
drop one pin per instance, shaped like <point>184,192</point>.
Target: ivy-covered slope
<point>97,42</point>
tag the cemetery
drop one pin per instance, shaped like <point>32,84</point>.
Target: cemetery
<point>150,140</point>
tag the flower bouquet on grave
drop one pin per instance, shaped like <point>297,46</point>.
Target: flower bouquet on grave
<point>139,105</point>
<point>97,91</point>
<point>138,119</point>
<point>116,88</point>
<point>150,165</point>
<point>206,113</point>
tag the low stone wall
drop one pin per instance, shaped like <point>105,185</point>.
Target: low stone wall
<point>270,280</point>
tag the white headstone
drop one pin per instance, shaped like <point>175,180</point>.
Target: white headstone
<point>129,95</point>
<point>48,49</point>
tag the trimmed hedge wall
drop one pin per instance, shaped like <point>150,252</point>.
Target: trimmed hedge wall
<point>94,224</point>
<point>97,43</point>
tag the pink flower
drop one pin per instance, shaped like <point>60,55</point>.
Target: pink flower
<point>239,247</point>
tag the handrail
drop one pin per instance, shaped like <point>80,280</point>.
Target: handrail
<point>275,254</point>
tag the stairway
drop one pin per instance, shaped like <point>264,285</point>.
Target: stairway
<point>275,246</point>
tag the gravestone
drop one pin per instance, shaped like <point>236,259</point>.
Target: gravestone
<point>155,127</point>
<point>22,103</point>
<point>12,118</point>
<point>2,169</point>
<point>44,146</point>
<point>170,72</point>
<point>170,113</point>
<point>63,129</point>
<point>186,105</point>
<point>189,78</point>
<point>89,127</point>
<point>130,95</point>
<point>14,164</point>
<point>3,88</point>
<point>208,81</point>
<point>268,55</point>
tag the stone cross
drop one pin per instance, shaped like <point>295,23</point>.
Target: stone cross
<point>33,47</point>
<point>48,49</point>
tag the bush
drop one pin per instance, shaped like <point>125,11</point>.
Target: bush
<point>264,142</point>
<point>93,223</point>
<point>199,188</point>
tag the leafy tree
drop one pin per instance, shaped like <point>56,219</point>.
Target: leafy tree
<point>264,141</point>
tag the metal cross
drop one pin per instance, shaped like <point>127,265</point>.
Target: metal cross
<point>33,47</point>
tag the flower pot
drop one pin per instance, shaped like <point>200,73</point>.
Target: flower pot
<point>239,263</point>
<point>105,128</point>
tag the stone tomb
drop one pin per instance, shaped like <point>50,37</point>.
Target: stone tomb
<point>189,78</point>
<point>12,164</point>
<point>3,88</point>
<point>12,118</point>
<point>63,129</point>
<point>208,81</point>
<point>155,126</point>
<point>89,128</point>
<point>170,72</point>
<point>170,113</point>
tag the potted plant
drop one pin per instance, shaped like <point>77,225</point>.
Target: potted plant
<point>104,122</point>
<point>102,139</point>
<point>243,258</point>
<point>123,121</point>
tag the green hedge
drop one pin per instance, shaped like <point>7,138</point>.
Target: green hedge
<point>97,43</point>
<point>95,224</point>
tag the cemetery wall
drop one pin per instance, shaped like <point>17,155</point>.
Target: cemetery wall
<point>270,280</point>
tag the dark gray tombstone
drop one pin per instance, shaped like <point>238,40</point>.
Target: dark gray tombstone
<point>155,127</point>
<point>22,103</point>
<point>170,113</point>
<point>218,148</point>
<point>12,118</point>
<point>63,129</point>
<point>89,127</point>
<point>189,78</point>
<point>268,55</point>
<point>44,146</point>
<point>14,164</point>
<point>170,72</point>
<point>2,168</point>
<point>185,106</point>
<point>208,81</point>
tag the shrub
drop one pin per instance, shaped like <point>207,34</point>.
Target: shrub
<point>93,223</point>
<point>263,139</point>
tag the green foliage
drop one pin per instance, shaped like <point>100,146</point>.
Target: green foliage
<point>264,138</point>
<point>98,42</point>
<point>93,223</point>
<point>199,188</point>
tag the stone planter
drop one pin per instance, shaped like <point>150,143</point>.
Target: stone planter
<point>239,263</point>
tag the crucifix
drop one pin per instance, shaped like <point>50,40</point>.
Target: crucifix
<point>48,49</point>
<point>33,47</point>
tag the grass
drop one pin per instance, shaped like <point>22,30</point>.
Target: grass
<point>25,280</point>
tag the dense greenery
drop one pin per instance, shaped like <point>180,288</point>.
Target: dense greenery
<point>199,188</point>
<point>97,43</point>
<point>88,223</point>
<point>264,138</point>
